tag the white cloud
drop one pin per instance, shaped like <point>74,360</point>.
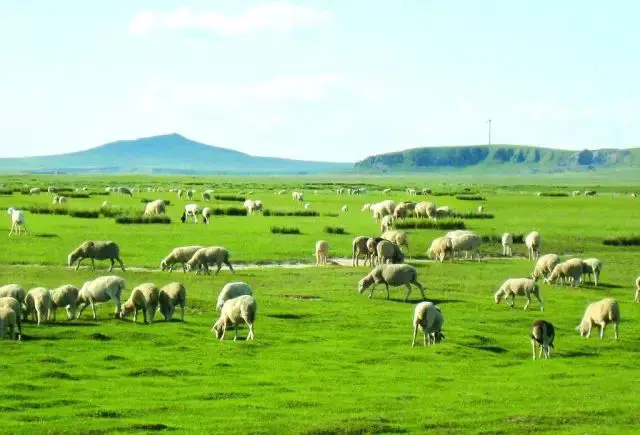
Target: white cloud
<point>281,17</point>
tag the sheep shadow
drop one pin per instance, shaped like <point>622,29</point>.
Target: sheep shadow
<point>289,316</point>
<point>71,324</point>
<point>578,354</point>
<point>418,300</point>
<point>47,236</point>
<point>25,337</point>
<point>601,285</point>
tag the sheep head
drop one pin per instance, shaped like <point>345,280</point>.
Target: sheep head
<point>365,283</point>
<point>217,328</point>
<point>163,265</point>
<point>498,296</point>
<point>127,308</point>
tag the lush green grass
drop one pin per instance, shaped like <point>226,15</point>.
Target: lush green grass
<point>325,358</point>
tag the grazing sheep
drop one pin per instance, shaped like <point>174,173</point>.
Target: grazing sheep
<point>281,192</point>
<point>386,224</point>
<point>637,298</point>
<point>96,250</point>
<point>397,237</point>
<point>181,255</point>
<point>480,209</point>
<point>169,297</point>
<point>8,322</point>
<point>125,191</point>
<point>60,200</point>
<point>542,334</point>
<point>12,303</point>
<point>52,189</point>
<point>190,193</point>
<point>372,247</point>
<point>14,291</point>
<point>440,247</point>
<point>344,209</point>
<point>233,290</point>
<point>180,193</point>
<point>544,266</point>
<point>592,266</point>
<point>443,211</point>
<point>34,191</point>
<point>258,206</point>
<point>358,248</point>
<point>428,317</point>
<point>403,210</point>
<point>209,255</point>
<point>156,207</point>
<point>366,207</point>
<point>252,206</point>
<point>143,297</point>
<point>589,193</point>
<point>388,252</point>
<point>322,252</point>
<point>307,206</point>
<point>391,275</point>
<point>518,286</point>
<point>507,244</point>
<point>101,289</point>
<point>600,313</point>
<point>382,209</point>
<point>386,191</point>
<point>17,221</point>
<point>190,210</point>
<point>105,204</point>
<point>571,269</point>
<point>206,215</point>
<point>37,304</point>
<point>65,296</point>
<point>297,196</point>
<point>241,309</point>
<point>466,242</point>
<point>426,209</point>
<point>206,196</point>
<point>533,242</point>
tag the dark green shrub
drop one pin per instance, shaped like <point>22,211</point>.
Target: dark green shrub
<point>284,230</point>
<point>423,224</point>
<point>622,241</point>
<point>334,230</point>
<point>471,198</point>
<point>86,214</point>
<point>230,198</point>
<point>162,219</point>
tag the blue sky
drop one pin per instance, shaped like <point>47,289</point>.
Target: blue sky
<point>322,80</point>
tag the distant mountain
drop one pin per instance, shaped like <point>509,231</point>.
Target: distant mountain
<point>170,153</point>
<point>501,158</point>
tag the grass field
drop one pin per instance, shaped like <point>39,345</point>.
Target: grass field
<point>326,359</point>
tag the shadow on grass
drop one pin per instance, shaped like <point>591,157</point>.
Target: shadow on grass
<point>288,316</point>
<point>418,300</point>
<point>578,354</point>
<point>47,236</point>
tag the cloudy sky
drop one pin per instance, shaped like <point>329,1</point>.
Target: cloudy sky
<point>322,80</point>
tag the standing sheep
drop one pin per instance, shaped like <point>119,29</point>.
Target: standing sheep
<point>391,275</point>
<point>13,304</point>
<point>65,296</point>
<point>96,250</point>
<point>238,310</point>
<point>206,215</point>
<point>34,191</point>
<point>143,297</point>
<point>388,252</point>
<point>466,242</point>
<point>156,207</point>
<point>518,286</point>
<point>125,191</point>
<point>322,252</point>
<point>544,266</point>
<point>14,291</point>
<point>8,322</point>
<point>358,248</point>
<point>170,296</point>
<point>190,193</point>
<point>307,206</point>
<point>179,255</point>
<point>426,209</point>
<point>190,210</point>
<point>386,224</point>
<point>101,289</point>
<point>637,298</point>
<point>507,244</point>
<point>38,304</point>
<point>17,221</point>
<point>542,334</point>
<point>397,237</point>
<point>209,255</point>
<point>592,266</point>
<point>382,209</point>
<point>429,319</point>
<point>180,193</point>
<point>533,242</point>
<point>600,313</point>
<point>372,247</point>
<point>297,196</point>
<point>439,248</point>
<point>570,270</point>
<point>344,209</point>
<point>206,196</point>
<point>233,290</point>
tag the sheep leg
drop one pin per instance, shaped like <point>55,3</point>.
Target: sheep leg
<point>371,290</point>
<point>637,298</point>
<point>533,347</point>
<point>539,301</point>
<point>135,316</point>
<point>251,331</point>
<point>93,308</point>
<point>120,262</point>
<point>235,333</point>
<point>417,284</point>
<point>93,264</point>
<point>602,327</point>
<point>224,330</point>
<point>406,298</point>
<point>230,267</point>
<point>112,263</point>
<point>595,278</point>
<point>78,263</point>
<point>387,287</point>
<point>83,305</point>
<point>218,267</point>
<point>542,348</point>
<point>415,333</point>
<point>54,314</point>
<point>528,302</point>
<point>589,331</point>
<point>615,330</point>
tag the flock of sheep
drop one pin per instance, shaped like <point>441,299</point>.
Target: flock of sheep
<point>237,304</point>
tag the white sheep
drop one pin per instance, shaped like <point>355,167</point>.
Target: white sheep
<point>570,270</point>
<point>542,334</point>
<point>52,189</point>
<point>344,209</point>
<point>391,275</point>
<point>440,247</point>
<point>37,303</point>
<point>576,193</point>
<point>252,206</point>
<point>233,290</point>
<point>180,193</point>
<point>358,248</point>
<point>190,193</point>
<point>13,304</point>
<point>206,215</point>
<point>105,204</point>
<point>8,322</point>
<point>238,310</point>
<point>170,296</point>
<point>297,196</point>
<point>181,255</point>
<point>600,313</point>
<point>507,244</point>
<point>398,237</point>
<point>366,207</point>
<point>13,290</point>
<point>544,266</point>
<point>60,200</point>
<point>443,211</point>
<point>382,209</point>
<point>209,255</point>
<point>426,209</point>
<point>403,210</point>
<point>154,208</point>
<point>17,221</point>
<point>429,319</point>
<point>372,247</point>
<point>637,297</point>
<point>190,210</point>
<point>518,286</point>
<point>592,266</point>
<point>388,252</point>
<point>322,252</point>
<point>466,242</point>
<point>206,196</point>
<point>143,297</point>
<point>386,191</point>
<point>257,205</point>
<point>386,224</point>
<point>34,191</point>
<point>96,250</point>
<point>533,241</point>
<point>64,296</point>
<point>125,191</point>
<point>480,209</point>
<point>307,206</point>
<point>102,289</point>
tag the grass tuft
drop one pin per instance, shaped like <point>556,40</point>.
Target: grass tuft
<point>335,230</point>
<point>622,241</point>
<point>230,198</point>
<point>285,230</point>
<point>162,219</point>
<point>422,224</point>
<point>471,198</point>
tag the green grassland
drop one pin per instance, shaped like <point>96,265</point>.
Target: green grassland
<point>326,359</point>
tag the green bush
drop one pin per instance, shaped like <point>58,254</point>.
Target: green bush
<point>229,211</point>
<point>86,214</point>
<point>553,194</point>
<point>471,198</point>
<point>147,200</point>
<point>230,198</point>
<point>423,224</point>
<point>622,241</point>
<point>161,219</point>
<point>334,230</point>
<point>518,239</point>
<point>285,230</point>
<point>471,215</point>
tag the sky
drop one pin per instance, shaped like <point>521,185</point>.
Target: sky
<point>331,80</point>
